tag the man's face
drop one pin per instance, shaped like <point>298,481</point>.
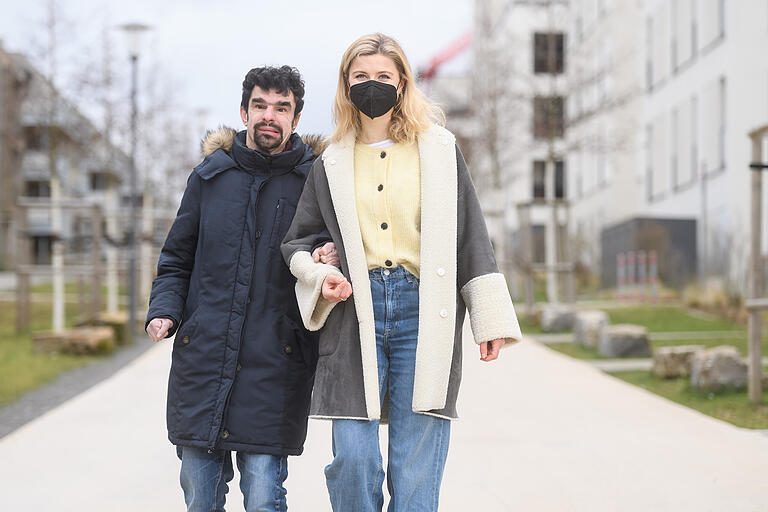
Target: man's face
<point>269,119</point>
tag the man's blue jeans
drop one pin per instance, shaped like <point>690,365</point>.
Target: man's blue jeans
<point>418,443</point>
<point>204,478</point>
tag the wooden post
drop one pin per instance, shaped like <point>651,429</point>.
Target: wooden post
<point>525,229</point>
<point>96,260</point>
<point>23,256</point>
<point>756,290</point>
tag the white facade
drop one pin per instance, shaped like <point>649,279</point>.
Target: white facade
<point>661,95</point>
<point>605,72</point>
<point>706,89</point>
<point>504,89</point>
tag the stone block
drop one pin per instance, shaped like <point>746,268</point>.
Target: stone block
<point>673,362</point>
<point>624,340</point>
<point>588,327</point>
<point>717,369</point>
<point>117,321</point>
<point>556,318</point>
<point>79,340</point>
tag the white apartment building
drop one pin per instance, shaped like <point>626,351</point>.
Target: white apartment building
<point>518,91</point>
<point>604,119</point>
<point>659,98</point>
<point>706,81</point>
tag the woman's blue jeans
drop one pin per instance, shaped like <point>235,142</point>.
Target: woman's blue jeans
<point>418,443</point>
<point>205,475</point>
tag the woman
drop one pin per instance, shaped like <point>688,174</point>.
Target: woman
<point>394,193</point>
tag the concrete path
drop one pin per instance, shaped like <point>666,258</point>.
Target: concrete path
<point>539,432</point>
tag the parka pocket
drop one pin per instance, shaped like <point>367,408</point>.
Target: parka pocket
<point>296,346</point>
<point>283,218</point>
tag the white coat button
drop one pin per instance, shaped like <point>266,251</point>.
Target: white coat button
<point>443,313</point>
<point>441,271</point>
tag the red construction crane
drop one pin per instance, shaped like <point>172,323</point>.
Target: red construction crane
<point>444,56</point>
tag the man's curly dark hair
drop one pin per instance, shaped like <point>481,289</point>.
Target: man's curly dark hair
<point>282,80</point>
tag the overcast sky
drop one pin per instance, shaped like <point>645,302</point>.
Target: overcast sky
<point>207,47</point>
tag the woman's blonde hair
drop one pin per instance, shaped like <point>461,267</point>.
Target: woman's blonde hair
<point>412,113</point>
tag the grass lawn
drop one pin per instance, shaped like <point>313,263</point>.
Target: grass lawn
<point>670,319</point>
<point>528,325</point>
<point>580,352</point>
<point>733,407</point>
<point>72,287</point>
<point>666,319</point>
<point>23,369</point>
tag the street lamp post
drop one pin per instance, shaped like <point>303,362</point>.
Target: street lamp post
<point>133,31</point>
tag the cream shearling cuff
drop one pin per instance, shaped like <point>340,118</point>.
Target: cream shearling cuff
<point>491,313</point>
<point>309,275</point>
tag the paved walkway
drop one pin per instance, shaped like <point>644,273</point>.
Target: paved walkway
<point>540,432</point>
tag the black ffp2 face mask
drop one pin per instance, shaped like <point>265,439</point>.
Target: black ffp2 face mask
<point>373,98</point>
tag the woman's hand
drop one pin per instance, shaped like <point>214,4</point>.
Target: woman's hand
<point>158,328</point>
<point>336,288</point>
<point>489,350</point>
<point>326,254</point>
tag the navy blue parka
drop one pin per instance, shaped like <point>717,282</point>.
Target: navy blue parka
<point>243,364</point>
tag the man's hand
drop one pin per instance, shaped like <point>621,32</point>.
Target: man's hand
<point>489,350</point>
<point>158,328</point>
<point>326,254</point>
<point>336,288</point>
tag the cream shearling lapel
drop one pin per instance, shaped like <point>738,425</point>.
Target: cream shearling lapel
<point>437,280</point>
<point>437,289</point>
<point>339,161</point>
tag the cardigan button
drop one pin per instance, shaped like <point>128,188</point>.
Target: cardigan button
<point>185,340</point>
<point>443,313</point>
<point>388,263</point>
<point>383,154</point>
<point>288,349</point>
<point>224,434</point>
<point>441,271</point>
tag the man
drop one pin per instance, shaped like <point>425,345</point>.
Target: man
<point>242,364</point>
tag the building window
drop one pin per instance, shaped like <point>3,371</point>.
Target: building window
<point>675,129</point>
<point>539,242</point>
<point>694,30</point>
<point>673,32</point>
<point>99,180</point>
<point>548,117</point>
<point>37,188</point>
<point>649,53</point>
<point>721,17</point>
<point>559,179</point>
<point>42,248</point>
<point>721,138</point>
<point>694,138</point>
<point>33,138</point>
<point>539,179</point>
<point>548,52</point>
<point>649,162</point>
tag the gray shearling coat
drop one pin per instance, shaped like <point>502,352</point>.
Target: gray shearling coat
<point>458,271</point>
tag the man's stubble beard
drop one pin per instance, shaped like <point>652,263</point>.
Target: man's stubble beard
<point>264,143</point>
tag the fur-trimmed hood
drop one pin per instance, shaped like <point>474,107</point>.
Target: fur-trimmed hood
<point>223,137</point>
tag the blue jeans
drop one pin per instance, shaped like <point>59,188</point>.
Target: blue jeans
<point>418,443</point>
<point>204,478</point>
